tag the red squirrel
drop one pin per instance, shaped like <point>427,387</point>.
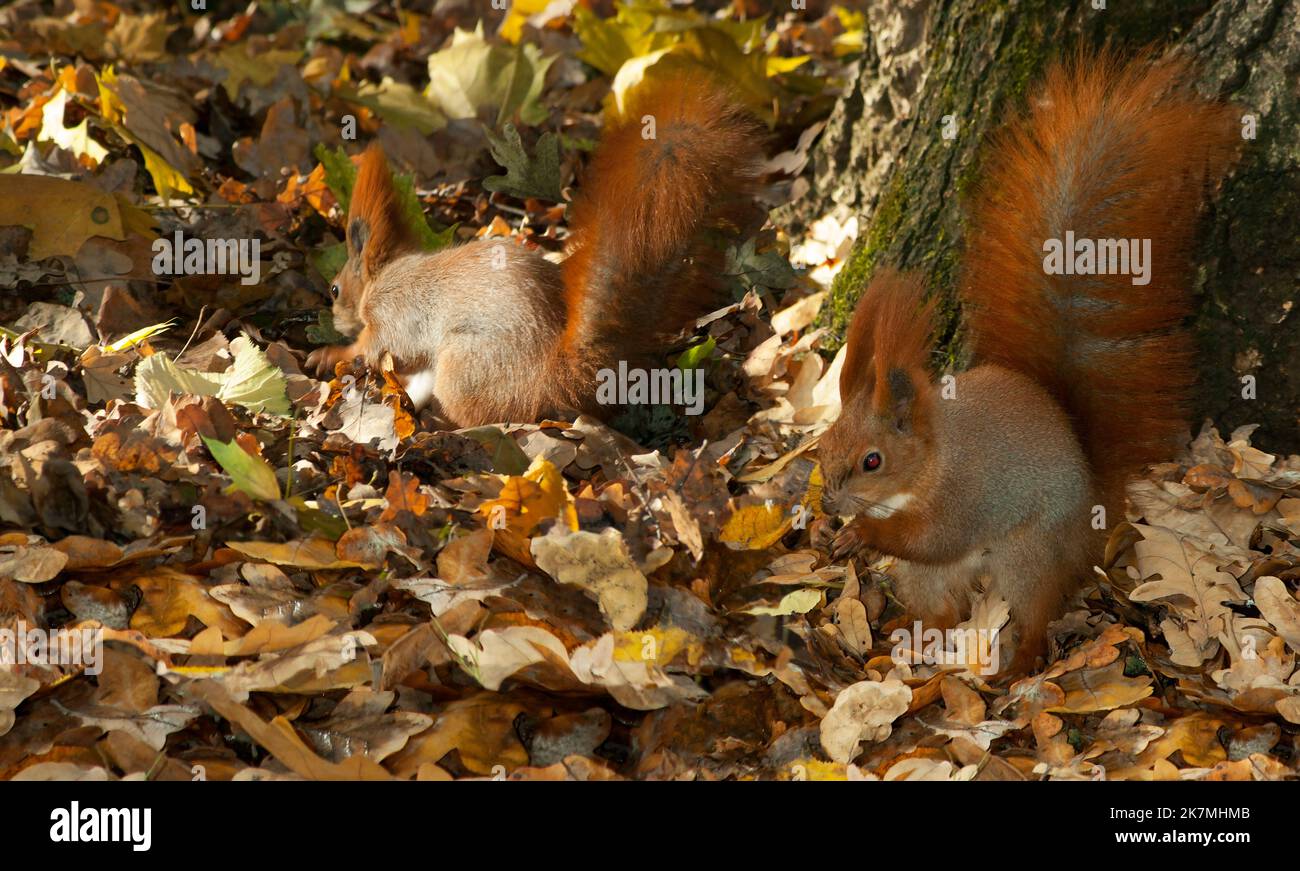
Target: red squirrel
<point>492,332</point>
<point>997,478</point>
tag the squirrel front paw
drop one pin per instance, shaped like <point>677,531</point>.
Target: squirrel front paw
<point>321,361</point>
<point>849,542</point>
<point>842,543</point>
<point>822,533</point>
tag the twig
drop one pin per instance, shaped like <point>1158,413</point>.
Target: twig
<point>198,322</point>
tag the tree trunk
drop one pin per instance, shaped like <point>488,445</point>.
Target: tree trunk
<point>962,64</point>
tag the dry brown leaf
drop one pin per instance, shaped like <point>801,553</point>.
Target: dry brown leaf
<point>864,711</point>
<point>599,564</point>
<point>1191,583</point>
<point>279,739</point>
<point>464,559</point>
<point>481,730</point>
<point>171,598</point>
<point>31,565</point>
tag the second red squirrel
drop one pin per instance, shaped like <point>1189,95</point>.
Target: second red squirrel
<point>491,332</point>
<point>1002,477</point>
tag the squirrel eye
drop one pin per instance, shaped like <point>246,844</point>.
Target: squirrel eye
<point>871,461</point>
<point>334,291</point>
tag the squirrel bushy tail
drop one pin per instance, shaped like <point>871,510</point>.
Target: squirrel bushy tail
<point>1112,150</point>
<point>675,168</point>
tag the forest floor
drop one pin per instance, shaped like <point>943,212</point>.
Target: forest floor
<point>303,579</point>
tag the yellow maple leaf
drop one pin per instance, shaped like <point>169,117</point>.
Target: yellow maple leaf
<point>525,502</point>
<point>167,180</point>
<point>757,525</point>
<point>512,28</point>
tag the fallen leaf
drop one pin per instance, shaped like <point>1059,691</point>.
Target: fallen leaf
<point>864,711</point>
<point>599,564</point>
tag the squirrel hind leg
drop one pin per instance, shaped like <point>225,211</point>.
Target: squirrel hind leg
<point>1035,605</point>
<point>930,593</point>
<point>471,391</point>
<point>1030,646</point>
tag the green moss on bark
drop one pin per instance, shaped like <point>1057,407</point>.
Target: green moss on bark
<point>861,265</point>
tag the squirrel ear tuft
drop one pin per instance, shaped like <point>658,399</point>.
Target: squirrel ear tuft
<point>358,232</point>
<point>890,328</point>
<point>900,398</point>
<point>377,231</point>
<point>857,374</point>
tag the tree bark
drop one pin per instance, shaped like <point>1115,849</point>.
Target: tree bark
<point>961,65</point>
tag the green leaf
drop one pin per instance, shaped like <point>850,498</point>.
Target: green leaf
<point>753,269</point>
<point>522,87</point>
<point>608,43</point>
<point>472,74</point>
<point>507,457</point>
<point>399,104</point>
<point>157,378</point>
<point>413,212</point>
<point>536,176</point>
<point>248,474</point>
<point>340,173</point>
<point>253,381</point>
<point>313,520</point>
<point>578,143</point>
<point>797,602</point>
<point>329,260</point>
<point>657,427</point>
<point>697,355</point>
<point>323,332</point>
